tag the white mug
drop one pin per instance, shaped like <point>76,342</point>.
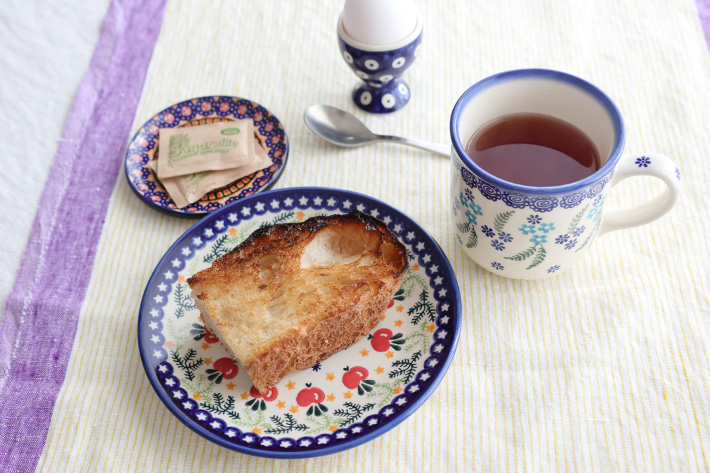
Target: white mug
<point>527,232</point>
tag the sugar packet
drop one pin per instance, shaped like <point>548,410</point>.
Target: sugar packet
<point>213,147</point>
<point>187,189</point>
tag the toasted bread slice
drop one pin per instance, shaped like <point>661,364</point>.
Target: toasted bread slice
<point>291,295</point>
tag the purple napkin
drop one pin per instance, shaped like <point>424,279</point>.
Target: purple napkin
<point>41,315</point>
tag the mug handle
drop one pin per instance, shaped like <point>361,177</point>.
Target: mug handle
<point>648,164</point>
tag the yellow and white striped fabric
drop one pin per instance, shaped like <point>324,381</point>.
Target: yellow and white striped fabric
<point>601,368</point>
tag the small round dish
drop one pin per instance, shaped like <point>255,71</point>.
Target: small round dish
<point>144,147</point>
<point>349,399</point>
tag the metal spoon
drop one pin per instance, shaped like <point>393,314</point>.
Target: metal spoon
<point>344,129</point>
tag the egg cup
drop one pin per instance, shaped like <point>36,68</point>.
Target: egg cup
<point>380,67</point>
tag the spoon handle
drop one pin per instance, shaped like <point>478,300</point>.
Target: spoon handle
<point>443,150</point>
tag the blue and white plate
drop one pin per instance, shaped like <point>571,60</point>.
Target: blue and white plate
<point>350,398</point>
<point>144,147</point>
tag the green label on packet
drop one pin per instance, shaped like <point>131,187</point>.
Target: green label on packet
<point>180,147</point>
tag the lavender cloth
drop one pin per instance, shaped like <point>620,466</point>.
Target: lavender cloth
<point>41,315</point>
<point>704,13</point>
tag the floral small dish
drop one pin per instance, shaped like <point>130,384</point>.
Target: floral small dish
<point>349,399</point>
<point>144,147</point>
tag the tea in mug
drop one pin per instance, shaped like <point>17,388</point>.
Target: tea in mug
<point>534,150</point>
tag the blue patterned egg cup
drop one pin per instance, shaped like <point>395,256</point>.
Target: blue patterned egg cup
<point>525,232</point>
<point>380,67</point>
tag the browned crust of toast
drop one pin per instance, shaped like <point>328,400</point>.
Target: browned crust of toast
<point>323,332</point>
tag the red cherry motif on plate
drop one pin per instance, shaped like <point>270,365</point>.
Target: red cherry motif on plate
<point>383,340</point>
<point>186,111</point>
<point>206,107</point>
<point>309,396</point>
<point>210,337</point>
<point>355,378</point>
<point>269,396</point>
<point>276,139</point>
<point>390,304</point>
<point>227,367</point>
<point>242,109</point>
<point>258,117</point>
<point>224,106</point>
<point>269,126</point>
<point>278,154</point>
<point>169,118</point>
<point>312,398</point>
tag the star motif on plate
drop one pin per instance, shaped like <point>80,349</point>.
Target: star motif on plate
<point>284,444</point>
<point>424,376</point>
<point>330,376</point>
<point>401,401</point>
<point>170,382</point>
<point>317,201</point>
<point>288,201</point>
<point>154,312</point>
<point>245,211</point>
<point>232,217</point>
<point>410,235</point>
<point>294,409</point>
<point>398,322</point>
<point>375,213</point>
<point>434,268</point>
<point>331,202</point>
<point>186,251</point>
<point>162,287</point>
<point>347,394</point>
<point>266,442</point>
<point>175,263</point>
<point>248,439</point>
<point>379,370</point>
<point>259,206</point>
<point>445,319</point>
<point>157,353</point>
<point>442,334</point>
<point>357,429</point>
<point>444,308</point>
<point>209,233</point>
<point>387,220</point>
<point>219,224</point>
<point>420,246</point>
<point>372,422</point>
<point>230,434</point>
<point>438,347</point>
<point>341,435</point>
<point>153,325</point>
<point>414,388</point>
<point>432,363</point>
<point>364,352</point>
<point>360,207</point>
<point>214,424</point>
<point>305,443</point>
<point>347,204</point>
<point>426,258</point>
<point>438,280</point>
<point>163,369</point>
<point>388,412</point>
<point>177,395</point>
<point>155,339</point>
<point>158,299</point>
<point>397,228</point>
<point>303,200</point>
<point>197,241</point>
<point>274,204</point>
<point>290,385</point>
<point>442,292</point>
<point>187,404</point>
<point>322,440</point>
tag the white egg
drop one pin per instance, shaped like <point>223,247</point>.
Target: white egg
<point>379,21</point>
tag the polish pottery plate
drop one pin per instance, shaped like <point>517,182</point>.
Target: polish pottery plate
<point>144,147</point>
<point>348,399</point>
